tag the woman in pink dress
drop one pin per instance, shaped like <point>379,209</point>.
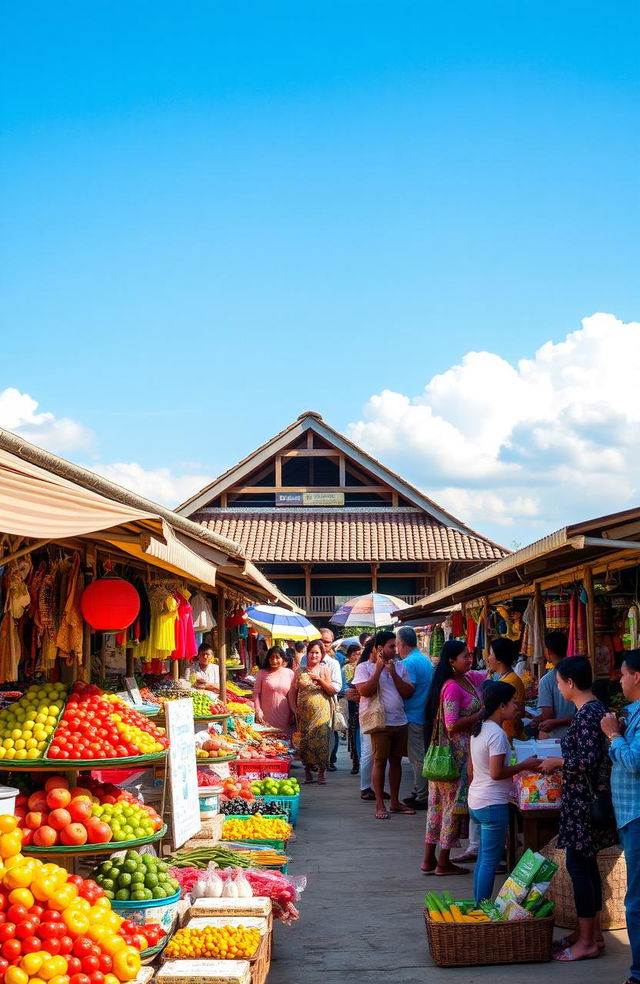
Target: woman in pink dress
<point>271,692</point>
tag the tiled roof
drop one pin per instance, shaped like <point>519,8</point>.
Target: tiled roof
<point>345,536</point>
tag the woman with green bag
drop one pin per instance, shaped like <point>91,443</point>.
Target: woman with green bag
<point>454,706</point>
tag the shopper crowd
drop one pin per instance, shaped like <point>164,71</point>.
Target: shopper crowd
<point>455,724</point>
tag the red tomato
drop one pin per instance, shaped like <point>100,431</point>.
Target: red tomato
<point>106,963</point>
<point>128,926</point>
<point>51,946</point>
<point>36,911</point>
<point>26,928</point>
<point>3,917</point>
<point>4,901</point>
<point>3,966</point>
<point>74,965</point>
<point>11,949</point>
<point>7,931</point>
<point>90,963</point>
<point>82,946</point>
<point>66,945</point>
<point>80,979</point>
<point>17,913</point>
<point>97,977</point>
<point>31,945</point>
<point>76,880</point>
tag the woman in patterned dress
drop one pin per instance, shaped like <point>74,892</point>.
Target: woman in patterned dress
<point>585,771</point>
<point>309,698</point>
<point>455,695</point>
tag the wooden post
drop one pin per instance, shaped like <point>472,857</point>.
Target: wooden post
<point>374,577</point>
<point>222,645</point>
<point>538,658</point>
<point>307,587</point>
<point>90,563</point>
<point>591,631</point>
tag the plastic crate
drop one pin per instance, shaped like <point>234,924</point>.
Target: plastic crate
<point>290,803</point>
<point>262,768</point>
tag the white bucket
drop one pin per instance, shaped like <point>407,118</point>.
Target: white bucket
<point>8,795</point>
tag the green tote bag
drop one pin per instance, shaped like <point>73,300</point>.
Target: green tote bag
<point>439,763</point>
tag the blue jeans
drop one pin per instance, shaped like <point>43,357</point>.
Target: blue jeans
<point>492,823</point>
<point>630,840</point>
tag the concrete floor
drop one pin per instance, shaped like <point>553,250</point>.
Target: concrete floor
<point>361,913</point>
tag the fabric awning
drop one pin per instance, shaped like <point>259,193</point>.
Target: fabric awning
<point>40,505</point>
<point>172,556</point>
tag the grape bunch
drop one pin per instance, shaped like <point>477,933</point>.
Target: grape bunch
<point>239,806</point>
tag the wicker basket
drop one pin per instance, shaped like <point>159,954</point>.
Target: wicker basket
<point>261,961</point>
<point>477,944</point>
<point>613,871</point>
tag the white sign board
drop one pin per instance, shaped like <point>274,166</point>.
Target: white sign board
<point>134,692</point>
<point>183,772</point>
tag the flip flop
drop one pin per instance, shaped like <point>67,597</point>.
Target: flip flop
<point>428,871</point>
<point>404,809</point>
<point>382,816</point>
<point>367,794</point>
<point>565,944</point>
<point>566,956</point>
<point>450,874</point>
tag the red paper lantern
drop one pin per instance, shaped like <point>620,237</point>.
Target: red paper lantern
<point>110,604</point>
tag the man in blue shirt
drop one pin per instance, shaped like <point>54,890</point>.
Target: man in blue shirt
<point>420,671</point>
<point>624,752</point>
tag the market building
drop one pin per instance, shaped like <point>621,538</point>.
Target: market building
<point>325,522</point>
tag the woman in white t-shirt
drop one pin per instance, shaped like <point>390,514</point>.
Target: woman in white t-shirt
<point>492,782</point>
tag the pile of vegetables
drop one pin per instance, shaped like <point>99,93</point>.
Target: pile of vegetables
<point>256,827</point>
<point>443,908</point>
<point>283,890</point>
<point>216,942</point>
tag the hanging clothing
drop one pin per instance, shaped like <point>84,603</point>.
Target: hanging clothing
<point>185,638</point>
<point>69,638</point>
<point>203,620</point>
<point>17,600</point>
<point>533,618</point>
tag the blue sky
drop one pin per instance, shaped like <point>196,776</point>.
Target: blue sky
<point>216,216</point>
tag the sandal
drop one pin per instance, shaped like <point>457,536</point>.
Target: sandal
<point>367,794</point>
<point>566,942</point>
<point>566,956</point>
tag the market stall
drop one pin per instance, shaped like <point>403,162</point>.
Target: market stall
<point>99,585</point>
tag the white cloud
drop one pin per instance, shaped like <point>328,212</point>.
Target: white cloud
<point>158,484</point>
<point>533,446</point>
<point>19,413</point>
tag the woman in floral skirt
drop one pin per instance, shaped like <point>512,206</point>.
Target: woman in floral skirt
<point>585,775</point>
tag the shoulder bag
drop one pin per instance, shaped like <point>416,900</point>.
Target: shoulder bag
<point>439,763</point>
<point>338,722</point>
<point>374,718</point>
<point>601,812</point>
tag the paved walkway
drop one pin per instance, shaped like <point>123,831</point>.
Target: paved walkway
<point>361,914</point>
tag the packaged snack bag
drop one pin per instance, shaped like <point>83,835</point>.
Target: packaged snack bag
<point>513,911</point>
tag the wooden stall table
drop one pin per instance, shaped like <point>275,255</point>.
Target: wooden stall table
<point>530,828</point>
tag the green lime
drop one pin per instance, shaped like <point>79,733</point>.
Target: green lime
<point>148,894</point>
<point>108,894</point>
<point>159,893</point>
<point>124,880</point>
<point>132,856</point>
<point>151,880</point>
<point>137,878</point>
<point>105,867</point>
<point>108,884</point>
<point>137,896</point>
<point>148,860</point>
<point>122,895</point>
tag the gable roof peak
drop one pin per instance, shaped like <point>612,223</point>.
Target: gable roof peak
<point>310,413</point>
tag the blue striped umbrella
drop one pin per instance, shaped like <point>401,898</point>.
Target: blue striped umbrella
<point>372,609</point>
<point>280,623</point>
